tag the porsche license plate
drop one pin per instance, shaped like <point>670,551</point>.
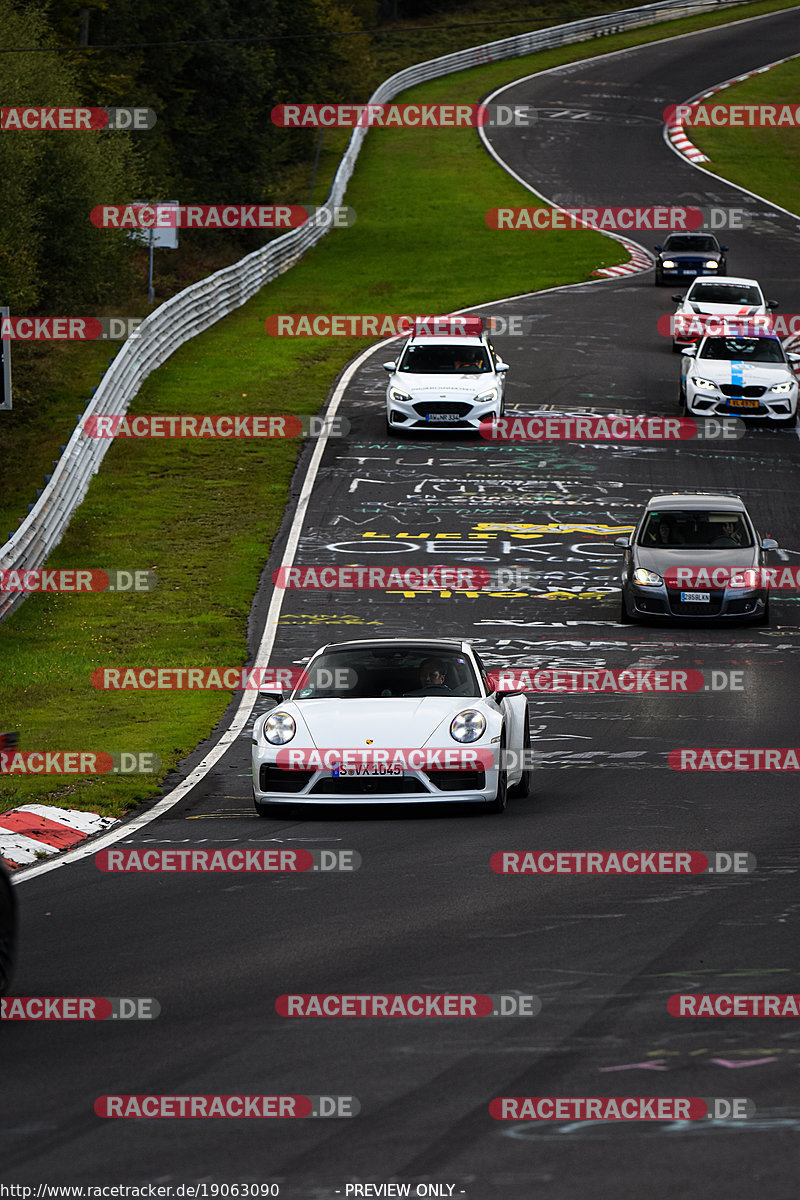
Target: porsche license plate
<point>743,404</point>
<point>695,597</point>
<point>367,772</point>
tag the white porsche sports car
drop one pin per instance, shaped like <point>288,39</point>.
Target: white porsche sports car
<point>393,721</point>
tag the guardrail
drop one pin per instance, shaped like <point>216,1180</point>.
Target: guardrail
<point>198,307</point>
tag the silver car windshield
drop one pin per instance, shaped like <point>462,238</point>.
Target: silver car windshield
<point>388,672</point>
<point>695,529</point>
<point>444,360</point>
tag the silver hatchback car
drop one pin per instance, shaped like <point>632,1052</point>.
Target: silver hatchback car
<point>704,532</point>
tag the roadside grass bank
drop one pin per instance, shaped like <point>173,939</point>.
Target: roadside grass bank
<point>764,160</point>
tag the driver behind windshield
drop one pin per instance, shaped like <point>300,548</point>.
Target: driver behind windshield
<point>432,678</point>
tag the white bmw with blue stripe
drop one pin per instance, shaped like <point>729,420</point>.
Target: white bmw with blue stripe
<point>742,376</point>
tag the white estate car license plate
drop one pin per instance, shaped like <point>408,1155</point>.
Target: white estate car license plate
<point>366,772</point>
<point>695,597</point>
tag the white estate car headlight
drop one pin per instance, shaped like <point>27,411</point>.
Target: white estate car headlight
<point>279,728</point>
<point>646,578</point>
<point>467,726</point>
<point>704,383</point>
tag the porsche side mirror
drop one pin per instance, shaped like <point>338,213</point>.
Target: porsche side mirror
<point>503,693</point>
<point>621,541</point>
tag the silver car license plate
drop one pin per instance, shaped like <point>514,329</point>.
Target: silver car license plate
<point>695,597</point>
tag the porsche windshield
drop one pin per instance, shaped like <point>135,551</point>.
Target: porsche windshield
<point>719,292</point>
<point>753,349</point>
<point>389,672</point>
<point>696,529</point>
<point>444,360</point>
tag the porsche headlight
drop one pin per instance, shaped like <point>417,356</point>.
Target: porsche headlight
<point>467,726</point>
<point>704,383</point>
<point>669,263</point>
<point>781,387</point>
<point>279,728</point>
<point>487,397</point>
<point>646,578</point>
<point>395,394</point>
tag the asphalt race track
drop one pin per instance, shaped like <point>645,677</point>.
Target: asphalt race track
<point>425,912</point>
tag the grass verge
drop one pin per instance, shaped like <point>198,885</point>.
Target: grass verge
<point>764,160</point>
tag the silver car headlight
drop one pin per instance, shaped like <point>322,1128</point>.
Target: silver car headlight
<point>646,578</point>
<point>712,264</point>
<point>487,397</point>
<point>279,728</point>
<point>467,726</point>
<point>396,394</point>
<point>669,263</point>
<point>781,387</point>
<point>704,383</point>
